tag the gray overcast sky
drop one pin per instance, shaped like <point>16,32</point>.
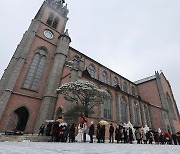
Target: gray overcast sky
<point>134,38</point>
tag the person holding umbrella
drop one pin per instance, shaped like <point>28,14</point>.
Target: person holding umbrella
<point>102,133</point>
<point>102,130</point>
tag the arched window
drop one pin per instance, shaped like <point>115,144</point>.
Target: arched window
<point>50,19</point>
<point>125,87</point>
<point>133,91</point>
<point>170,105</point>
<point>104,77</point>
<point>36,69</point>
<point>55,22</point>
<point>146,115</point>
<point>123,110</point>
<point>115,81</point>
<point>136,114</point>
<point>91,71</point>
<point>107,109</point>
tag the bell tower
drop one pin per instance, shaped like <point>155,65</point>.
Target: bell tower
<point>33,74</point>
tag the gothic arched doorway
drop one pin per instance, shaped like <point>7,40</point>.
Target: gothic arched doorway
<point>18,119</point>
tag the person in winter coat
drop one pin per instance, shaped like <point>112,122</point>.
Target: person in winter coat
<point>91,132</point>
<point>80,134</point>
<point>61,134</point>
<point>138,136</point>
<point>130,136</point>
<point>121,137</point>
<point>117,134</point>
<point>111,133</point>
<point>102,133</point>
<point>41,129</point>
<point>84,130</point>
<point>156,137</point>
<point>54,131</point>
<point>125,135</point>
<point>48,129</point>
<point>66,132</point>
<point>98,133</point>
<point>150,137</point>
<point>72,133</point>
<point>178,137</point>
<point>144,137</point>
<point>161,138</point>
<point>174,138</point>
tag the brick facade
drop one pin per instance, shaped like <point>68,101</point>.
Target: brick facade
<point>148,101</point>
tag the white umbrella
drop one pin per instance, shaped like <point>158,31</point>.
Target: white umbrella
<point>103,122</point>
<point>49,120</point>
<point>63,124</point>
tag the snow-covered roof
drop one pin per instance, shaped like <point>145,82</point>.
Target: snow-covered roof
<point>145,79</point>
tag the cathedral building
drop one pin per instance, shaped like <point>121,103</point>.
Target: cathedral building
<point>44,60</point>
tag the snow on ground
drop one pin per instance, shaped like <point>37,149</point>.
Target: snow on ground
<point>84,148</point>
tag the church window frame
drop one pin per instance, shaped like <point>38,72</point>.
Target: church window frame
<point>35,72</point>
<point>92,70</point>
<point>146,113</point>
<point>115,81</point>
<point>104,77</point>
<point>50,19</point>
<point>125,88</point>
<point>170,106</point>
<point>107,103</point>
<point>123,110</point>
<point>55,23</point>
<point>133,91</point>
<point>136,114</point>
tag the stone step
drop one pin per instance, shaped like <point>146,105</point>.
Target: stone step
<point>21,138</point>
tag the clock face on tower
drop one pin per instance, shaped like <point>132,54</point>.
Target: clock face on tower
<point>48,34</point>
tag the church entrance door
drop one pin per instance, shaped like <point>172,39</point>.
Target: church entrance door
<point>18,119</point>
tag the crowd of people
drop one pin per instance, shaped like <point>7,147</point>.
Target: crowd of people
<point>63,132</point>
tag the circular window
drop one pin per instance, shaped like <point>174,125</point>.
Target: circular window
<point>48,34</point>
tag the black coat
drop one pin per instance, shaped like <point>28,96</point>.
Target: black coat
<point>98,131</point>
<point>72,131</point>
<point>111,129</point>
<point>117,134</point>
<point>91,129</point>
<point>130,134</point>
<point>102,132</point>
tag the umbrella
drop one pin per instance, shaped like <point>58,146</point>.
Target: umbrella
<point>50,121</point>
<point>63,124</point>
<point>125,126</point>
<point>59,120</point>
<point>103,122</point>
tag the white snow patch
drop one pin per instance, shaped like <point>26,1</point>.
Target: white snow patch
<point>85,148</point>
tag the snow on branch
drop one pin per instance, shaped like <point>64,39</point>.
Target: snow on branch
<point>85,91</point>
